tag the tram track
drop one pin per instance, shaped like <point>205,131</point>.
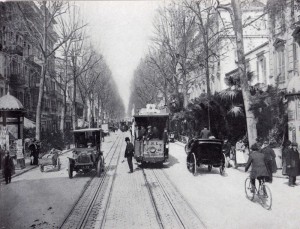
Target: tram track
<point>172,209</point>
<point>92,201</point>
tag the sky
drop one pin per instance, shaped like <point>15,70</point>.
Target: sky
<point>121,31</point>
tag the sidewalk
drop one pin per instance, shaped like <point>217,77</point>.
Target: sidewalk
<point>27,168</point>
<point>278,174</point>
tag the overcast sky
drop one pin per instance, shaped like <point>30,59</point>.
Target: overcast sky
<point>121,30</point>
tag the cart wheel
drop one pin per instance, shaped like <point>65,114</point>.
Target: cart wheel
<point>70,171</point>
<point>58,164</point>
<point>222,169</point>
<point>194,164</point>
<point>209,168</point>
<point>99,167</point>
<point>42,168</point>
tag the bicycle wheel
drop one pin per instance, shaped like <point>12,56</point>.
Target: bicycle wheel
<point>266,197</point>
<point>248,187</point>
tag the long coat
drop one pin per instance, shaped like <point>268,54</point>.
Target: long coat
<point>129,151</point>
<point>259,168</point>
<point>292,163</point>
<point>8,165</point>
<point>270,156</point>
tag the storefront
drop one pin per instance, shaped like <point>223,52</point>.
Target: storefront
<point>293,96</point>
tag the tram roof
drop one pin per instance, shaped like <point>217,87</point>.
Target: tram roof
<point>152,115</point>
<point>87,130</point>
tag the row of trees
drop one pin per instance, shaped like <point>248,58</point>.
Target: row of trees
<point>185,52</point>
<point>78,65</point>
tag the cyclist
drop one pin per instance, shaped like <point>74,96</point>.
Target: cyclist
<point>259,170</point>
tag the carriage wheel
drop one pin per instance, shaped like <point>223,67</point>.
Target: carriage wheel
<point>209,168</point>
<point>99,167</point>
<point>194,164</point>
<point>70,171</point>
<point>222,169</point>
<point>42,168</point>
<point>58,164</point>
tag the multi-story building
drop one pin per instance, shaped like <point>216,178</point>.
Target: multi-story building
<point>21,63</point>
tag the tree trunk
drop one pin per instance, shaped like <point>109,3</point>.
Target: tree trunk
<point>42,79</point>
<point>63,111</point>
<point>74,113</point>
<point>238,28</point>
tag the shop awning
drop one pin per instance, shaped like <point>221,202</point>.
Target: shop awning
<point>28,123</point>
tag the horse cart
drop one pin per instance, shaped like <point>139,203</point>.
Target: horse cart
<point>50,159</point>
<point>205,152</point>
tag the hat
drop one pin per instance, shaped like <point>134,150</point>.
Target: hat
<point>288,142</point>
<point>255,147</point>
<point>294,144</point>
<point>127,139</point>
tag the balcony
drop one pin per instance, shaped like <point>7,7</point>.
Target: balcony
<point>34,59</point>
<point>14,49</point>
<point>17,80</point>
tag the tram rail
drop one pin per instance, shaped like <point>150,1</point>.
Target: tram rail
<point>83,214</point>
<point>172,209</point>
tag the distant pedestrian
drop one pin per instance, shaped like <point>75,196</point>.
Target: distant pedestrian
<point>129,153</point>
<point>8,167</point>
<point>269,159</point>
<point>205,133</point>
<point>292,164</point>
<point>286,147</point>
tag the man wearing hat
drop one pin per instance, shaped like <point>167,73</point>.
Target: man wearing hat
<point>149,133</point>
<point>8,167</point>
<point>257,160</point>
<point>129,153</point>
<point>292,164</point>
<point>286,147</point>
<point>270,159</point>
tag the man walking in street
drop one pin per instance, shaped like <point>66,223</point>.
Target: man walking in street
<point>269,159</point>
<point>129,153</point>
<point>292,164</point>
<point>205,133</point>
<point>8,167</point>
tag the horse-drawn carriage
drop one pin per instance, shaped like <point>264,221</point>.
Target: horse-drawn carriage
<point>87,154</point>
<point>205,152</point>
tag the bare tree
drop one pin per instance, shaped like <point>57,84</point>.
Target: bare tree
<point>44,35</point>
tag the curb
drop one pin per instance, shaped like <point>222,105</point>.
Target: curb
<point>31,168</point>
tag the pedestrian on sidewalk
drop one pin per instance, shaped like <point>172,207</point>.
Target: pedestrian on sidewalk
<point>129,153</point>
<point>293,164</point>
<point>8,167</point>
<point>269,160</point>
<point>286,147</point>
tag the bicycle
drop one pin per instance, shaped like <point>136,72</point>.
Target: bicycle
<point>263,192</point>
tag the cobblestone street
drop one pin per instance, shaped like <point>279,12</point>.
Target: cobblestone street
<point>150,197</point>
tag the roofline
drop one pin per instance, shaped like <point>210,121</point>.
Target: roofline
<point>258,47</point>
<point>152,115</point>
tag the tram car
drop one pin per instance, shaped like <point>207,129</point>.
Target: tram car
<point>87,154</point>
<point>123,126</point>
<point>150,133</point>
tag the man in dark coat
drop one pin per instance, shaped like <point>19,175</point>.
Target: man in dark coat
<point>205,133</point>
<point>269,159</point>
<point>129,153</point>
<point>286,147</point>
<point>8,167</point>
<point>292,164</point>
<point>257,160</point>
